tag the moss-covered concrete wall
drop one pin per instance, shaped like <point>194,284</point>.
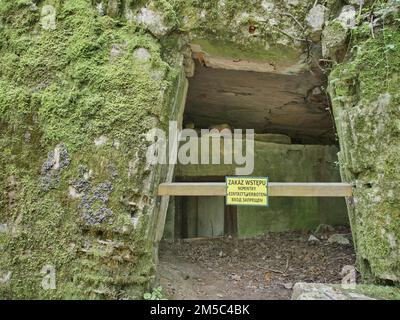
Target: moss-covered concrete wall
<point>76,94</point>
<point>81,80</point>
<point>366,98</point>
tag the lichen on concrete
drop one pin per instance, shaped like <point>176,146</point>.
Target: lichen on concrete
<point>365,96</point>
<point>65,201</point>
<point>80,70</point>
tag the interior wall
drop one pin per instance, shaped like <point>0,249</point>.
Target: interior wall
<point>281,163</point>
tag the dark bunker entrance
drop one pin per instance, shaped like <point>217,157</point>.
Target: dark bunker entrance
<point>294,142</point>
<point>211,250</point>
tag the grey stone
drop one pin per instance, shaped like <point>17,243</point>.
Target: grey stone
<point>339,239</point>
<point>142,54</point>
<point>6,277</point>
<point>27,137</point>
<point>73,193</point>
<point>316,20</point>
<point>313,239</point>
<point>34,7</point>
<point>320,291</point>
<point>153,21</point>
<point>3,228</point>
<point>48,17</point>
<point>135,221</point>
<point>157,75</point>
<point>334,38</point>
<point>288,285</point>
<point>348,17</point>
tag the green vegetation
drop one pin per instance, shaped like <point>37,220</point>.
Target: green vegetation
<point>365,98</point>
<point>83,80</point>
<point>227,49</point>
<point>71,85</point>
<point>156,294</point>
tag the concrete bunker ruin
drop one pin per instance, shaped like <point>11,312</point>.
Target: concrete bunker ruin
<point>99,90</point>
<point>289,110</point>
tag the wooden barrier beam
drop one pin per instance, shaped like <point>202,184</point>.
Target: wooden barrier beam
<point>276,189</point>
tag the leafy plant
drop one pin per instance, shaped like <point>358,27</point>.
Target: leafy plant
<point>156,294</point>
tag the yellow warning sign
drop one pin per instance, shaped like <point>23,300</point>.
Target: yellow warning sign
<point>247,191</point>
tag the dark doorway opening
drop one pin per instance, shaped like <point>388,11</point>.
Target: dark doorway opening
<point>294,142</point>
<point>204,217</point>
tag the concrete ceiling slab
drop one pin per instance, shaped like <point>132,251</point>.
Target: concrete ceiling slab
<point>267,102</point>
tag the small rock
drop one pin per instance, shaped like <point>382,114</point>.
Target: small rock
<point>3,228</point>
<point>142,54</point>
<point>6,277</point>
<point>27,137</point>
<point>316,20</point>
<point>267,277</point>
<point>288,285</point>
<point>73,193</point>
<point>313,239</point>
<point>48,17</point>
<point>334,38</point>
<point>51,169</point>
<point>339,239</point>
<point>236,277</point>
<point>348,17</point>
<point>221,127</point>
<point>100,141</point>
<point>153,21</point>
<point>320,291</point>
<point>157,75</point>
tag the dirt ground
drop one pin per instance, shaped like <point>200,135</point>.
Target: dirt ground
<point>262,268</point>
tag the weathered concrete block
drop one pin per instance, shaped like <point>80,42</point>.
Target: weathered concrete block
<point>315,21</point>
<point>319,291</point>
<point>334,38</point>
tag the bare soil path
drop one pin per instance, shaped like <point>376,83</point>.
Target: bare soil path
<point>262,268</point>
